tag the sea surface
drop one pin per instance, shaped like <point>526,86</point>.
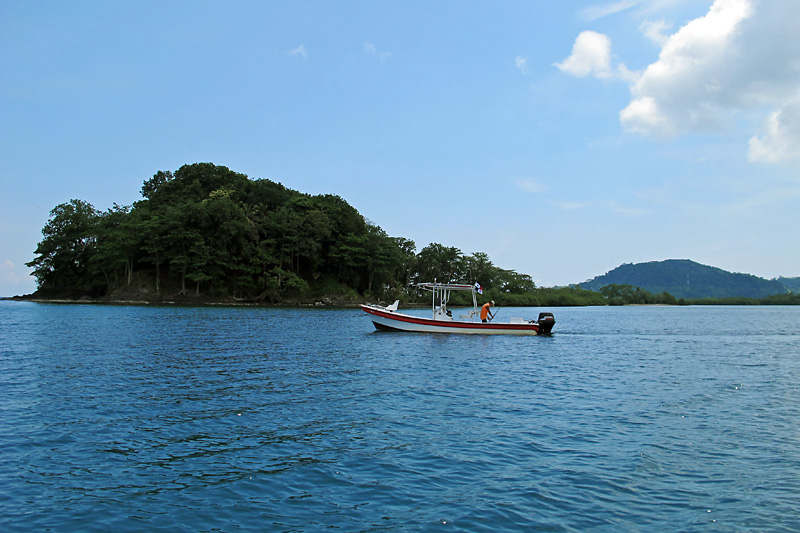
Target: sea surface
<point>142,418</point>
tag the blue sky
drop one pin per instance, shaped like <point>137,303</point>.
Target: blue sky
<point>561,138</point>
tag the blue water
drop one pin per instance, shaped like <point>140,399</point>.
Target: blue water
<point>198,419</point>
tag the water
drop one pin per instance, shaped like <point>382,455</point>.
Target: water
<point>199,419</point>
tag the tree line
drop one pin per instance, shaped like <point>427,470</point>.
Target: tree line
<point>207,230</point>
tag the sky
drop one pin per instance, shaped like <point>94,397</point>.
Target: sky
<point>563,138</point>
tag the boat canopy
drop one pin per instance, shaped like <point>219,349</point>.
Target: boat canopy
<point>441,295</point>
<point>445,286</point>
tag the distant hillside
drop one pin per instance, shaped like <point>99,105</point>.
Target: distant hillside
<point>683,278</point>
<point>793,284</point>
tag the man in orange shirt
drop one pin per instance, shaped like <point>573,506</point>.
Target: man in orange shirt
<point>485,311</point>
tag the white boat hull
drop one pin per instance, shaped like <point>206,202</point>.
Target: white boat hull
<point>388,320</point>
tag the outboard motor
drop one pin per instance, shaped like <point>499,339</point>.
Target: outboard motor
<point>546,322</point>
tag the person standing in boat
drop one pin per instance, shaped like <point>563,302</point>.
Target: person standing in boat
<point>485,311</point>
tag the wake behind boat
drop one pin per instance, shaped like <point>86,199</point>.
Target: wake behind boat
<point>442,321</point>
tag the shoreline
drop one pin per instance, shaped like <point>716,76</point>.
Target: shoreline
<point>203,301</point>
<point>181,302</point>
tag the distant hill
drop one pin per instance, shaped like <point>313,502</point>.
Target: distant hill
<point>683,278</point>
<point>793,284</point>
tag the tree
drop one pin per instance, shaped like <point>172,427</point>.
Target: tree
<point>479,269</point>
<point>512,282</point>
<point>179,236</point>
<point>383,259</point>
<point>70,238</point>
<point>227,231</point>
<point>407,262</point>
<point>622,294</point>
<point>315,230</point>
<point>441,263</point>
<point>349,259</point>
<point>156,184</point>
<point>152,228</point>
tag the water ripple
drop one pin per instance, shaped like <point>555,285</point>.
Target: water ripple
<point>642,419</point>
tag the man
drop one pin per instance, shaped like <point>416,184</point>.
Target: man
<point>485,311</point>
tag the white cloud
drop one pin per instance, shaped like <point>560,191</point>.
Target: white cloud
<point>655,30</point>
<point>521,63</point>
<point>683,87</point>
<point>8,272</point>
<point>608,206</point>
<point>299,51</point>
<point>571,206</point>
<point>372,50</point>
<point>781,140</point>
<point>742,56</point>
<point>591,55</point>
<point>624,210</point>
<point>599,11</point>
<point>625,74</point>
<point>642,8</point>
<point>643,115</point>
<point>531,186</point>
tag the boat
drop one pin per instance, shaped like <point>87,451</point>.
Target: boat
<point>387,318</point>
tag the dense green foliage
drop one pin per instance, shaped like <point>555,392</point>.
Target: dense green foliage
<point>775,299</point>
<point>206,230</point>
<point>686,279</point>
<point>628,294</point>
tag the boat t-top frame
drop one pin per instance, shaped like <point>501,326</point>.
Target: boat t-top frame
<point>441,295</point>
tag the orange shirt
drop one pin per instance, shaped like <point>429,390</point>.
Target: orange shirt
<point>485,310</point>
